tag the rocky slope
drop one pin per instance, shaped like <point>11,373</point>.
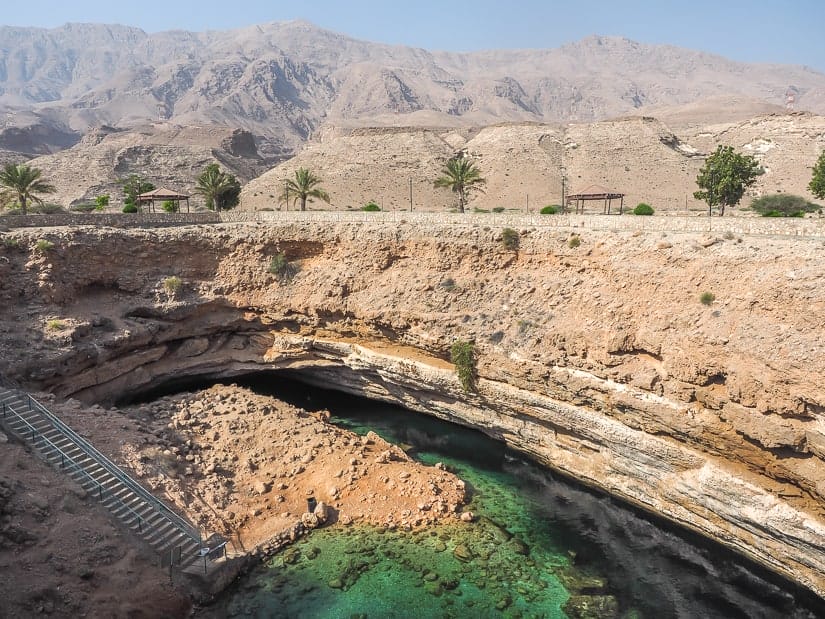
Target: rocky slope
<point>599,360</point>
<point>282,81</point>
<point>523,163</point>
<point>166,155</point>
<point>62,556</point>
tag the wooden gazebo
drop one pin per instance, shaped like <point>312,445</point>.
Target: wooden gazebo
<point>163,195</point>
<point>596,192</point>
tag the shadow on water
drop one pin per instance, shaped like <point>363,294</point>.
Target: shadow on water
<point>653,568</point>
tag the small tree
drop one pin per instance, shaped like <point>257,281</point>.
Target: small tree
<point>169,206</point>
<point>817,184</point>
<point>461,176</point>
<point>23,182</point>
<point>101,202</point>
<point>643,209</point>
<point>724,177</point>
<point>133,186</point>
<point>303,186</point>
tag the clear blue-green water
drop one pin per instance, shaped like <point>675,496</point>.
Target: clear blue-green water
<point>542,546</point>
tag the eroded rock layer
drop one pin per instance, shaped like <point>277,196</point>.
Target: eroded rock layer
<point>597,358</point>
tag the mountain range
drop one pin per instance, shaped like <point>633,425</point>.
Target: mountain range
<point>283,81</point>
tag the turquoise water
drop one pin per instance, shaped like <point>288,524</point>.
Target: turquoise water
<point>541,547</point>
<point>509,567</point>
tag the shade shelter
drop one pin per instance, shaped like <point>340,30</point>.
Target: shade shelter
<point>163,195</point>
<point>596,192</point>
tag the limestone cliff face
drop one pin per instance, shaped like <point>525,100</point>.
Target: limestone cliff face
<point>598,360</point>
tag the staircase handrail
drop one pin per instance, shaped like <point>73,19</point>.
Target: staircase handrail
<point>40,436</point>
<point>85,446</point>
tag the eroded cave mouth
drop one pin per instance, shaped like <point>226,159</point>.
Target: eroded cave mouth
<point>649,564</point>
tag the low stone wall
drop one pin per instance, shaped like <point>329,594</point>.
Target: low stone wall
<point>115,220</point>
<point>807,227</point>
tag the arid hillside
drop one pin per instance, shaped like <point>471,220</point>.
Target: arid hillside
<point>524,163</point>
<point>165,155</point>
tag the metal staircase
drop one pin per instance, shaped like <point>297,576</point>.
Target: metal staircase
<point>176,541</point>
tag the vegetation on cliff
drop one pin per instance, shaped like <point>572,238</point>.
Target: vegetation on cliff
<point>463,356</point>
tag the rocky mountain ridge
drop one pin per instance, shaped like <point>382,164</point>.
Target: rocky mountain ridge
<point>282,81</point>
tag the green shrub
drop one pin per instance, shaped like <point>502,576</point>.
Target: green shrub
<point>549,210</point>
<point>509,239</point>
<point>101,202</point>
<point>448,284</point>
<point>783,205</point>
<point>170,206</point>
<point>371,207</point>
<point>282,268</point>
<point>498,209</point>
<point>172,284</point>
<point>574,241</point>
<point>480,210</point>
<point>130,208</point>
<point>10,242</point>
<point>643,209</point>
<point>55,325</point>
<point>463,356</point>
<point>707,298</point>
<point>43,246</point>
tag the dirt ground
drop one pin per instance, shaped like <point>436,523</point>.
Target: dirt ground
<point>62,555</point>
<point>234,462</point>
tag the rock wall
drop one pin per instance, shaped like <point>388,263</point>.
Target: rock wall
<point>115,220</point>
<point>597,358</point>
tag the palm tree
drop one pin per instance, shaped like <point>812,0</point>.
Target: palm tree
<point>303,186</point>
<point>460,175</point>
<point>24,181</point>
<point>219,189</point>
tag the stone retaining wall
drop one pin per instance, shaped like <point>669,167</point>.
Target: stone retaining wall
<point>116,220</point>
<point>803,227</point>
<point>807,227</point>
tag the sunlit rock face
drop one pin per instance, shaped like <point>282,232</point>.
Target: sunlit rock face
<point>598,360</point>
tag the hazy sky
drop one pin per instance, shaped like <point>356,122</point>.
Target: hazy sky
<point>786,31</point>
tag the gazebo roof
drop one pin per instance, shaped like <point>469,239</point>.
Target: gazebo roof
<point>162,194</point>
<point>596,192</point>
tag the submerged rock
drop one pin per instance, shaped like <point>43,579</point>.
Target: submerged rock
<point>592,607</point>
<point>462,553</point>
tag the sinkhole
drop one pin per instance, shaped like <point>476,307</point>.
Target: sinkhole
<point>543,545</point>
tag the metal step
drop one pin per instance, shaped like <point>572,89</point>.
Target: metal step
<point>141,512</point>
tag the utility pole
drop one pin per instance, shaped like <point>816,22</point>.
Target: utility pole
<point>527,207</point>
<point>411,197</point>
<point>563,187</point>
